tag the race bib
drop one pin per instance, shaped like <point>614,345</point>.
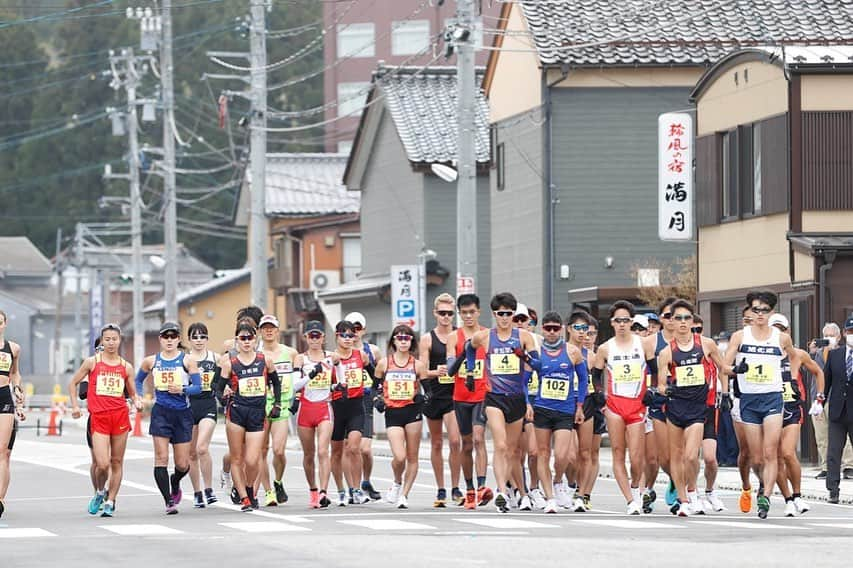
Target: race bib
<point>504,363</point>
<point>401,386</point>
<point>365,379</point>
<point>109,385</point>
<point>533,385</point>
<point>322,381</point>
<point>206,381</point>
<point>283,367</point>
<point>690,376</point>
<point>5,362</point>
<point>555,389</point>
<point>252,386</point>
<point>627,373</point>
<point>478,370</point>
<point>354,378</point>
<point>445,380</point>
<point>788,392</point>
<point>162,379</point>
<point>760,374</point>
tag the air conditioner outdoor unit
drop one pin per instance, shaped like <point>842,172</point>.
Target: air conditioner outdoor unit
<point>324,279</point>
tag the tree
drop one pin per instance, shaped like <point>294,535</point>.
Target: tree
<point>676,278</point>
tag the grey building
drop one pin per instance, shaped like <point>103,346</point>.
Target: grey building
<point>405,208</point>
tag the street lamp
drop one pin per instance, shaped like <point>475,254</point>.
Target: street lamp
<point>423,256</point>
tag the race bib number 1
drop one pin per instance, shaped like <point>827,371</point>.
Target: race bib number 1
<point>760,374</point>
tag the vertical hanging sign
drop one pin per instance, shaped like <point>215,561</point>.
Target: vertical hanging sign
<point>675,177</point>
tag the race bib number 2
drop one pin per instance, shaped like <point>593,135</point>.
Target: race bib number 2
<point>690,376</point>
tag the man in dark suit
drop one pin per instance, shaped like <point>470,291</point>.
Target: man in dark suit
<point>838,387</point>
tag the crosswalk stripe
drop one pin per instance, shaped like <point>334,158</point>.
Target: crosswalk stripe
<point>387,525</point>
<point>264,527</point>
<point>753,524</point>
<point>628,524</point>
<point>506,523</point>
<point>24,533</point>
<point>140,530</point>
<point>833,525</point>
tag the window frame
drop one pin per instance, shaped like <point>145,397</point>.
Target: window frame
<point>399,39</point>
<point>363,49</point>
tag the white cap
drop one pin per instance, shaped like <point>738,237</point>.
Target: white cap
<point>521,310</point>
<point>778,319</point>
<point>356,317</point>
<point>268,319</point>
<point>642,321</point>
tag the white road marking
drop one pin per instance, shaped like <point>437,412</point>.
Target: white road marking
<point>24,533</point>
<point>847,526</point>
<point>141,530</point>
<point>627,524</point>
<point>507,523</point>
<point>264,527</point>
<point>753,524</point>
<point>388,525</point>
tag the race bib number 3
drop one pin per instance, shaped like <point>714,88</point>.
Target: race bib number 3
<point>162,379</point>
<point>760,374</point>
<point>690,376</point>
<point>555,389</point>
<point>252,386</point>
<point>504,363</point>
<point>627,373</point>
<point>109,385</point>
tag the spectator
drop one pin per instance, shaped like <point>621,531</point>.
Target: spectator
<point>838,372</point>
<point>831,335</point>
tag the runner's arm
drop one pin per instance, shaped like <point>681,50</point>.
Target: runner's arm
<point>194,387</point>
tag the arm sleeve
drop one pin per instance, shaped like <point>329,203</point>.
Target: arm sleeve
<point>583,381</point>
<point>453,365</point>
<point>274,380</point>
<point>652,365</point>
<point>218,383</point>
<point>470,356</point>
<point>194,387</point>
<point>140,378</point>
<point>300,379</point>
<point>534,361</point>
<point>596,378</point>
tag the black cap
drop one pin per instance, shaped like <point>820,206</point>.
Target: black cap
<point>314,325</point>
<point>170,326</point>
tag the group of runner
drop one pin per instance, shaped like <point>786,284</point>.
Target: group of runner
<point>546,398</point>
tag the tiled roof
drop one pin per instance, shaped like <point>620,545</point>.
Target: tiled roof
<point>678,32</point>
<point>423,107</point>
<point>308,184</point>
<point>20,256</point>
<point>222,278</point>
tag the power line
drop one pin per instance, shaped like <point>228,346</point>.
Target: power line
<point>54,15</point>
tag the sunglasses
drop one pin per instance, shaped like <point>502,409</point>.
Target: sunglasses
<point>346,335</point>
<point>551,328</point>
<point>403,337</point>
<point>683,317</point>
<point>759,310</point>
<point>580,327</point>
<point>357,326</point>
<point>518,319</point>
<point>196,337</point>
<point>314,335</point>
<point>444,313</point>
<point>169,336</point>
<point>666,315</point>
<point>696,329</point>
<point>245,337</point>
<point>504,313</point>
<point>533,322</point>
<point>622,320</point>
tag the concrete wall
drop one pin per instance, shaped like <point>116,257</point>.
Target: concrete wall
<point>516,84</point>
<point>827,92</point>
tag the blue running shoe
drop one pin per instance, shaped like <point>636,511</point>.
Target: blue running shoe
<point>671,494</point>
<point>109,509</point>
<point>95,503</point>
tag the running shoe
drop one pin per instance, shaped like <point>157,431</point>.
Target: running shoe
<point>313,500</point>
<point>745,500</point>
<point>402,502</point>
<point>763,506</point>
<point>95,503</point>
<point>393,493</point>
<point>684,510</point>
<point>280,493</point>
<point>550,506</point>
<point>578,505</point>
<point>457,496</point>
<point>224,480</point>
<point>513,497</point>
<point>171,508</point>
<point>801,505</point>
<point>561,495</point>
<point>270,498</point>
<point>525,504</point>
<point>198,500</point>
<point>246,505</point>
<point>790,509</point>
<point>484,495</point>
<point>359,498</point>
<point>368,488</point>
<point>649,497</point>
<point>342,499</point>
<point>470,499</point>
<point>109,509</point>
<point>177,496</point>
<point>210,496</point>
<point>716,503</point>
<point>634,508</point>
<point>501,503</point>
<point>586,504</point>
<point>325,502</point>
<point>537,499</point>
<point>671,493</point>
<point>440,499</point>
<point>2,508</point>
<point>235,496</point>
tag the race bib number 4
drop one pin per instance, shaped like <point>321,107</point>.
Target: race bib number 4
<point>627,373</point>
<point>690,376</point>
<point>252,386</point>
<point>109,385</point>
<point>504,363</point>
<point>555,389</point>
<point>760,374</point>
<point>162,379</point>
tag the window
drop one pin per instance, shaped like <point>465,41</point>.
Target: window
<point>756,168</point>
<point>344,147</point>
<point>501,159</point>
<point>351,97</point>
<point>352,257</point>
<point>356,40</point>
<point>730,175</point>
<point>409,37</point>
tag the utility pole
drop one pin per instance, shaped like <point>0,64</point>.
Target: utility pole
<point>170,229</point>
<point>78,296</point>
<point>258,232</point>
<point>57,330</point>
<point>466,184</point>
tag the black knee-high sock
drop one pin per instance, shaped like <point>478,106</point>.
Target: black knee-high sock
<point>161,477</point>
<point>177,477</point>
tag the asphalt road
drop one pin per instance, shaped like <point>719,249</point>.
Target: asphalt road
<point>46,523</point>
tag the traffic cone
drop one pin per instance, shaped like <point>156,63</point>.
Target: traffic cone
<point>137,424</point>
<point>51,427</point>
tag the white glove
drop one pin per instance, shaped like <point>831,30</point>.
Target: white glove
<point>816,409</point>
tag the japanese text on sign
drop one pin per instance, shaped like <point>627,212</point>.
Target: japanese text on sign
<point>405,308</point>
<point>675,177</point>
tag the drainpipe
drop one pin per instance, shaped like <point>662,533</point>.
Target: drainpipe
<point>828,259</point>
<point>550,193</point>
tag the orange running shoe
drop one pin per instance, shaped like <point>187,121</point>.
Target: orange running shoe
<point>470,499</point>
<point>484,495</point>
<point>745,500</point>
<point>314,500</point>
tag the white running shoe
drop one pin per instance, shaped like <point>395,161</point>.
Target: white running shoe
<point>550,506</point>
<point>684,510</point>
<point>696,507</point>
<point>790,509</point>
<point>513,498</point>
<point>225,481</point>
<point>393,494</point>
<point>801,505</point>
<point>402,502</point>
<point>715,501</point>
<point>342,499</point>
<point>501,503</point>
<point>561,495</point>
<point>578,505</point>
<point>525,504</point>
<point>705,505</point>
<point>359,498</point>
<point>537,499</point>
<point>634,508</point>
